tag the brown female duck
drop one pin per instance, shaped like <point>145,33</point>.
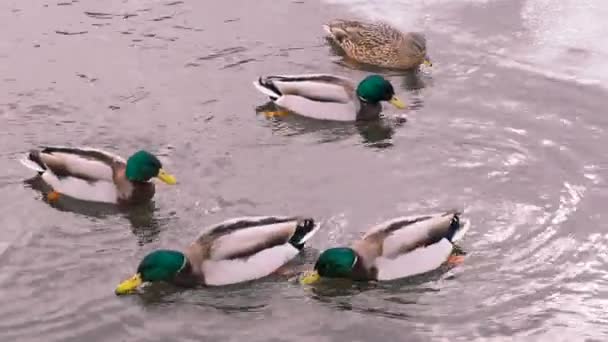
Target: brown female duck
<point>378,44</point>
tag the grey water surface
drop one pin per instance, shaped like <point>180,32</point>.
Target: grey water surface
<point>508,125</point>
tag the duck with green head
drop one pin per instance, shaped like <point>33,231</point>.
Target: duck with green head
<point>394,249</point>
<point>96,175</point>
<point>232,251</point>
<point>329,97</point>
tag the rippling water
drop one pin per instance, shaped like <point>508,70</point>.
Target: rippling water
<point>508,125</point>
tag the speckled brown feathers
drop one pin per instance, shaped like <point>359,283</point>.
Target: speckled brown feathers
<point>378,44</point>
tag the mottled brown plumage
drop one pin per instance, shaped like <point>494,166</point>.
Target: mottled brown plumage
<point>378,44</point>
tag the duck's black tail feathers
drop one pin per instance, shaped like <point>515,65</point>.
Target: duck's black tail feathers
<point>454,227</point>
<point>458,227</point>
<point>305,229</point>
<point>33,161</point>
<point>265,86</point>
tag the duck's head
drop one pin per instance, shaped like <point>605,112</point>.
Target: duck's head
<point>332,263</point>
<point>143,165</point>
<point>418,45</point>
<point>375,88</point>
<point>160,265</point>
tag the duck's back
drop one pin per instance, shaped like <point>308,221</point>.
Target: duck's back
<point>412,245</point>
<point>378,44</point>
<point>243,249</point>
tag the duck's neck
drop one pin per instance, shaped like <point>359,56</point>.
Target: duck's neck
<point>131,191</point>
<point>368,110</point>
<point>185,277</point>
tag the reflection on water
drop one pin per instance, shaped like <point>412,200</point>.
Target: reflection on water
<point>376,133</point>
<point>144,225</point>
<point>399,299</point>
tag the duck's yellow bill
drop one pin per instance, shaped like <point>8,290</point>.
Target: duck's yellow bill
<point>427,62</point>
<point>310,277</point>
<point>396,102</point>
<point>166,177</point>
<point>128,285</point>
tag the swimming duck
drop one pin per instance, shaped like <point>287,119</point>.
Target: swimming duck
<point>95,175</point>
<point>233,251</point>
<point>378,44</point>
<point>329,97</point>
<point>394,249</point>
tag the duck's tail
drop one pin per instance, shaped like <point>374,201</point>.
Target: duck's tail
<point>458,228</point>
<point>265,86</point>
<point>305,229</point>
<point>33,161</point>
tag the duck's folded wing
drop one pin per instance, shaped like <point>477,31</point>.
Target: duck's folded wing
<point>244,237</point>
<point>316,87</point>
<point>402,235</point>
<point>247,248</point>
<point>85,163</point>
